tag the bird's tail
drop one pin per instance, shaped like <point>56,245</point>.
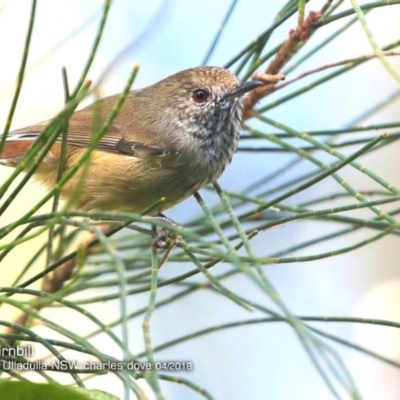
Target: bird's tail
<point>15,147</point>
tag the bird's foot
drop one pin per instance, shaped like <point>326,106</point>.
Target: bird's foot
<point>163,239</point>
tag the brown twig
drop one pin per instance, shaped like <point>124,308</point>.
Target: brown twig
<point>334,64</point>
<point>54,282</point>
<point>296,38</point>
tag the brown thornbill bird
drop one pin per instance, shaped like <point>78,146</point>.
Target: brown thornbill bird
<point>168,141</point>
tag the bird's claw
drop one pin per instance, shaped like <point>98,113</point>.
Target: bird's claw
<point>163,239</point>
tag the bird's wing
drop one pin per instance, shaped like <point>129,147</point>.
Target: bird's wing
<point>121,138</point>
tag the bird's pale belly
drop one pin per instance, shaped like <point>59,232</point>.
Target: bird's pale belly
<point>115,183</point>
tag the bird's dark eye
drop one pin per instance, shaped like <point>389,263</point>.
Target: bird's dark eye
<point>200,96</point>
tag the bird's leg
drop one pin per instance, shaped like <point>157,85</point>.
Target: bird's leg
<point>159,238</point>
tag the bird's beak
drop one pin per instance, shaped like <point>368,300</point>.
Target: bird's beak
<point>242,88</point>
